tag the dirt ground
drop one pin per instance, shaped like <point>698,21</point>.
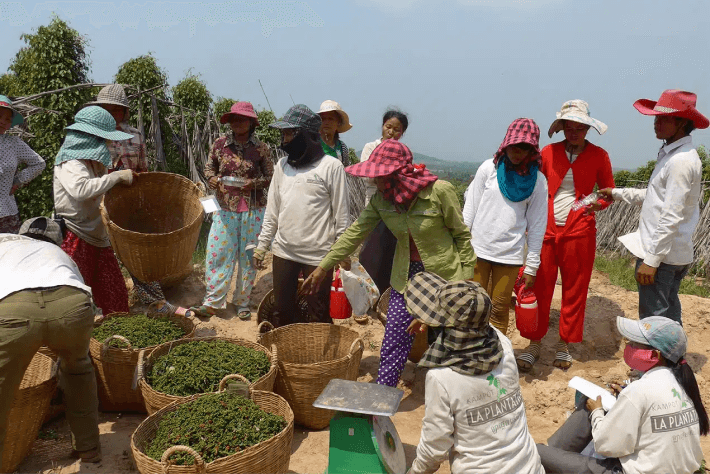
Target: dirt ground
<point>548,400</point>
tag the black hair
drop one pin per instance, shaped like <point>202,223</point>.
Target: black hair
<point>689,126</point>
<point>399,115</point>
<point>41,237</point>
<point>252,129</point>
<point>524,146</point>
<point>686,379</point>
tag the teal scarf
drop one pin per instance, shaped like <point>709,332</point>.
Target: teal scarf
<point>515,187</point>
<point>82,146</point>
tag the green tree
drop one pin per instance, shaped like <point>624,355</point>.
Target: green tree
<point>192,93</point>
<point>54,57</point>
<point>8,85</point>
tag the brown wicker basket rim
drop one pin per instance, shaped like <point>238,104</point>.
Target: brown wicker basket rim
<point>110,349</point>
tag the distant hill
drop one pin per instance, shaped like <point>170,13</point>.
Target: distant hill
<point>460,170</point>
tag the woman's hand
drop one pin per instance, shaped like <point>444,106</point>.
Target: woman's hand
<point>645,275</point>
<point>313,282</point>
<point>213,182</point>
<point>594,404</point>
<point>416,326</point>
<point>615,388</point>
<point>14,188</point>
<point>605,194</point>
<point>529,281</point>
<point>592,208</point>
<point>257,260</point>
<point>345,264</point>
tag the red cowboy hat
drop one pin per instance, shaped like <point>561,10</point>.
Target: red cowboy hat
<point>674,103</point>
<point>245,109</point>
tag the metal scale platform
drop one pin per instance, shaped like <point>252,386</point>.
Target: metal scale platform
<point>362,437</point>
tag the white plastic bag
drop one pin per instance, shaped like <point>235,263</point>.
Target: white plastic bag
<point>361,291</point>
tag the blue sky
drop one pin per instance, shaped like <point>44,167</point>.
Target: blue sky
<point>461,69</point>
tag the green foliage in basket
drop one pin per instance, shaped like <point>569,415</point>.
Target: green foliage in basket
<point>140,330</point>
<point>215,425</point>
<point>198,367</point>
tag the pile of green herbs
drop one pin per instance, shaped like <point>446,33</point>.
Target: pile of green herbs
<point>140,330</point>
<point>215,425</point>
<point>198,367</point>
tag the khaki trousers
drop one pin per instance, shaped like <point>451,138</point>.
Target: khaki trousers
<point>61,318</point>
<point>501,279</point>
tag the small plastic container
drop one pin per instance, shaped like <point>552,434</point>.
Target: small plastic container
<point>233,181</point>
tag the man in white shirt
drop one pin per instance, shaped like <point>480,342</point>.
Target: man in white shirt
<point>670,209</point>
<point>44,301</point>
<point>306,211</point>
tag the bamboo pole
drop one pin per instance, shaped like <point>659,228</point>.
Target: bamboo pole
<point>155,126</point>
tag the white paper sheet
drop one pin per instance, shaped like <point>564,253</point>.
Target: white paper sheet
<point>210,204</point>
<point>593,391</point>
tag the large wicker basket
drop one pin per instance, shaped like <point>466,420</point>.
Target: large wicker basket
<point>310,356</point>
<point>270,456</point>
<point>154,224</point>
<point>155,400</point>
<point>28,411</point>
<point>115,368</point>
<point>421,342</point>
<point>267,306</point>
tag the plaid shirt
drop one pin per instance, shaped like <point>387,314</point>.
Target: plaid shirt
<point>250,161</point>
<point>128,154</point>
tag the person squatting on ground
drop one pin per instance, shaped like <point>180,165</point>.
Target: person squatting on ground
<point>80,181</point>
<point>505,208</point>
<point>45,302</point>
<point>236,226</point>
<point>14,153</point>
<point>424,215</point>
<point>306,211</point>
<point>573,167</point>
<point>663,242</point>
<point>655,424</point>
<point>474,411</point>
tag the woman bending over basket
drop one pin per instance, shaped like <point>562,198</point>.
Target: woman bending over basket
<point>239,168</point>
<point>80,181</point>
<point>423,213</point>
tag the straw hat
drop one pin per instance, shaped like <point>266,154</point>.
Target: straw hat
<point>244,109</point>
<point>575,111</point>
<point>674,103</point>
<point>112,94</point>
<point>333,106</point>
<point>6,103</point>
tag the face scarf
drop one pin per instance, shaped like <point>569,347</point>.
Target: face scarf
<point>640,359</point>
<point>515,186</point>
<point>301,150</point>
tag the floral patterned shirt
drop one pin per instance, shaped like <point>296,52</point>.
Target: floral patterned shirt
<point>252,161</point>
<point>128,154</point>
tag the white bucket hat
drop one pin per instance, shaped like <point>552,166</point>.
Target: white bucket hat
<point>575,111</point>
<point>333,106</point>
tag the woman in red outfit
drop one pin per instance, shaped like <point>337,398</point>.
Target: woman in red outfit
<point>573,168</point>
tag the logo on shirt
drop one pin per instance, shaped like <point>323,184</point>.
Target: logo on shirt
<point>674,421</point>
<point>492,380</point>
<point>494,410</point>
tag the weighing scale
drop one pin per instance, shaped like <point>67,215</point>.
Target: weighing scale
<point>362,437</point>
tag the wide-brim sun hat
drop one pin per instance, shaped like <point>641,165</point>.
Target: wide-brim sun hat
<point>6,103</point>
<point>388,157</point>
<point>299,116</point>
<point>113,94</point>
<point>659,332</point>
<point>96,121</point>
<point>522,130</point>
<point>675,103</point>
<point>42,228</point>
<point>243,109</point>
<point>576,111</point>
<point>333,106</point>
<point>82,146</point>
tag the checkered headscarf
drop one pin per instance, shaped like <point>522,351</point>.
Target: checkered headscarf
<point>522,130</point>
<point>466,343</point>
<point>393,160</point>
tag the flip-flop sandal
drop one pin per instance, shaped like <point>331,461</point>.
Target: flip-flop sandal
<point>204,311</point>
<point>529,356</point>
<point>166,308</point>
<point>244,313</point>
<point>563,359</point>
<point>361,319</point>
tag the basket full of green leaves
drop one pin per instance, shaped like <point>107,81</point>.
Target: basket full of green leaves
<point>177,370</point>
<point>115,345</point>
<point>221,432</point>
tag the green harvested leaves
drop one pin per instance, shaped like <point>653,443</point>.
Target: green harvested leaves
<point>215,425</point>
<point>140,330</point>
<point>198,367</point>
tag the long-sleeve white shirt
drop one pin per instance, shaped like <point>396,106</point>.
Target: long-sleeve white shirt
<point>652,427</point>
<point>478,422</point>
<point>499,225</point>
<point>371,187</point>
<point>79,186</point>
<point>670,207</point>
<point>306,210</point>
<point>13,153</point>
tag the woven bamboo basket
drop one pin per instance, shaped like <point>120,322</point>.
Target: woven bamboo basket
<point>265,312</point>
<point>270,456</point>
<point>154,224</point>
<point>310,356</point>
<point>28,411</point>
<point>421,343</point>
<point>116,367</point>
<point>155,400</point>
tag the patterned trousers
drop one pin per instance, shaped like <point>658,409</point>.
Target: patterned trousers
<point>10,224</point>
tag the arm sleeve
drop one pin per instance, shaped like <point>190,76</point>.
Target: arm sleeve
<point>616,433</point>
<point>473,198</point>
<point>536,216</point>
<point>77,181</point>
<point>271,215</point>
<point>34,163</point>
<point>352,237</point>
<point>212,165</point>
<point>629,195</point>
<point>453,219</point>
<point>437,437</point>
<point>678,189</point>
<point>267,169</point>
<point>605,179</point>
<point>339,200</point>
<point>366,152</point>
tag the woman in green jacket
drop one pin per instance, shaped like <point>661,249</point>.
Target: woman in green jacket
<point>424,214</point>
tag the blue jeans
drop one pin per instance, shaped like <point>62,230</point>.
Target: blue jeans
<point>661,297</point>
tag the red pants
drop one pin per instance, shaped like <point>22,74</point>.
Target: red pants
<point>574,257</point>
<point>99,267</point>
